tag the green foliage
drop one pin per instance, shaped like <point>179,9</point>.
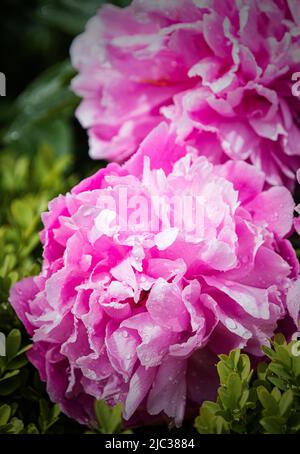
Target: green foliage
<point>266,403</point>
<point>109,419</point>
<point>69,16</point>
<point>27,186</point>
<point>14,385</point>
<point>43,112</point>
<point>12,373</point>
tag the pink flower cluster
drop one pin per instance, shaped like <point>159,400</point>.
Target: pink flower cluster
<point>219,70</point>
<point>138,316</point>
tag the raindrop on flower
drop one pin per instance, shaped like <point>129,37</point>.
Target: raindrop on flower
<point>230,323</point>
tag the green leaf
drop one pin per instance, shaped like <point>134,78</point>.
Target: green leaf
<point>234,389</point>
<point>223,371</point>
<point>296,365</point>
<point>276,394</point>
<point>234,356</point>
<point>244,398</point>
<point>109,418</point>
<point>32,429</point>
<point>10,385</point>
<point>220,425</point>
<point>245,367</point>
<point>286,402</point>
<point>9,375</point>
<point>279,339</point>
<point>283,356</point>
<point>13,343</point>
<point>268,351</point>
<point>261,371</point>
<point>272,425</point>
<point>279,370</point>
<point>5,413</point>
<point>23,350</point>
<point>294,422</point>
<point>17,363</point>
<point>281,384</point>
<point>267,400</point>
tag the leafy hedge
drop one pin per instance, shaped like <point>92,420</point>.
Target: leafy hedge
<point>266,400</point>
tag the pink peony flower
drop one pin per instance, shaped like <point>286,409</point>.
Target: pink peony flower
<point>220,71</point>
<point>135,312</point>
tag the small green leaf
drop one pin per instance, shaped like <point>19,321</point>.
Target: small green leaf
<point>268,351</point>
<point>272,425</point>
<point>10,385</point>
<point>276,394</point>
<point>17,363</point>
<point>261,371</point>
<point>32,429</point>
<point>234,389</point>
<point>294,422</point>
<point>13,343</point>
<point>286,402</point>
<point>109,418</point>
<point>5,413</point>
<point>246,367</point>
<point>279,339</point>
<point>24,350</point>
<point>10,374</point>
<point>283,356</point>
<point>267,400</point>
<point>234,356</point>
<point>223,371</point>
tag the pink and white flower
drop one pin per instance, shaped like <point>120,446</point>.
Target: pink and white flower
<point>220,71</point>
<point>139,316</point>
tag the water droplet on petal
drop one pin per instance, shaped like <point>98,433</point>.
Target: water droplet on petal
<point>230,323</point>
<point>146,359</point>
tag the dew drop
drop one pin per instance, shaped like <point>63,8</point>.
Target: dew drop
<point>146,358</point>
<point>87,211</point>
<point>230,323</point>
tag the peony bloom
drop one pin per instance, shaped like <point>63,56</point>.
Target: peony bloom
<point>134,312</point>
<point>220,71</point>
